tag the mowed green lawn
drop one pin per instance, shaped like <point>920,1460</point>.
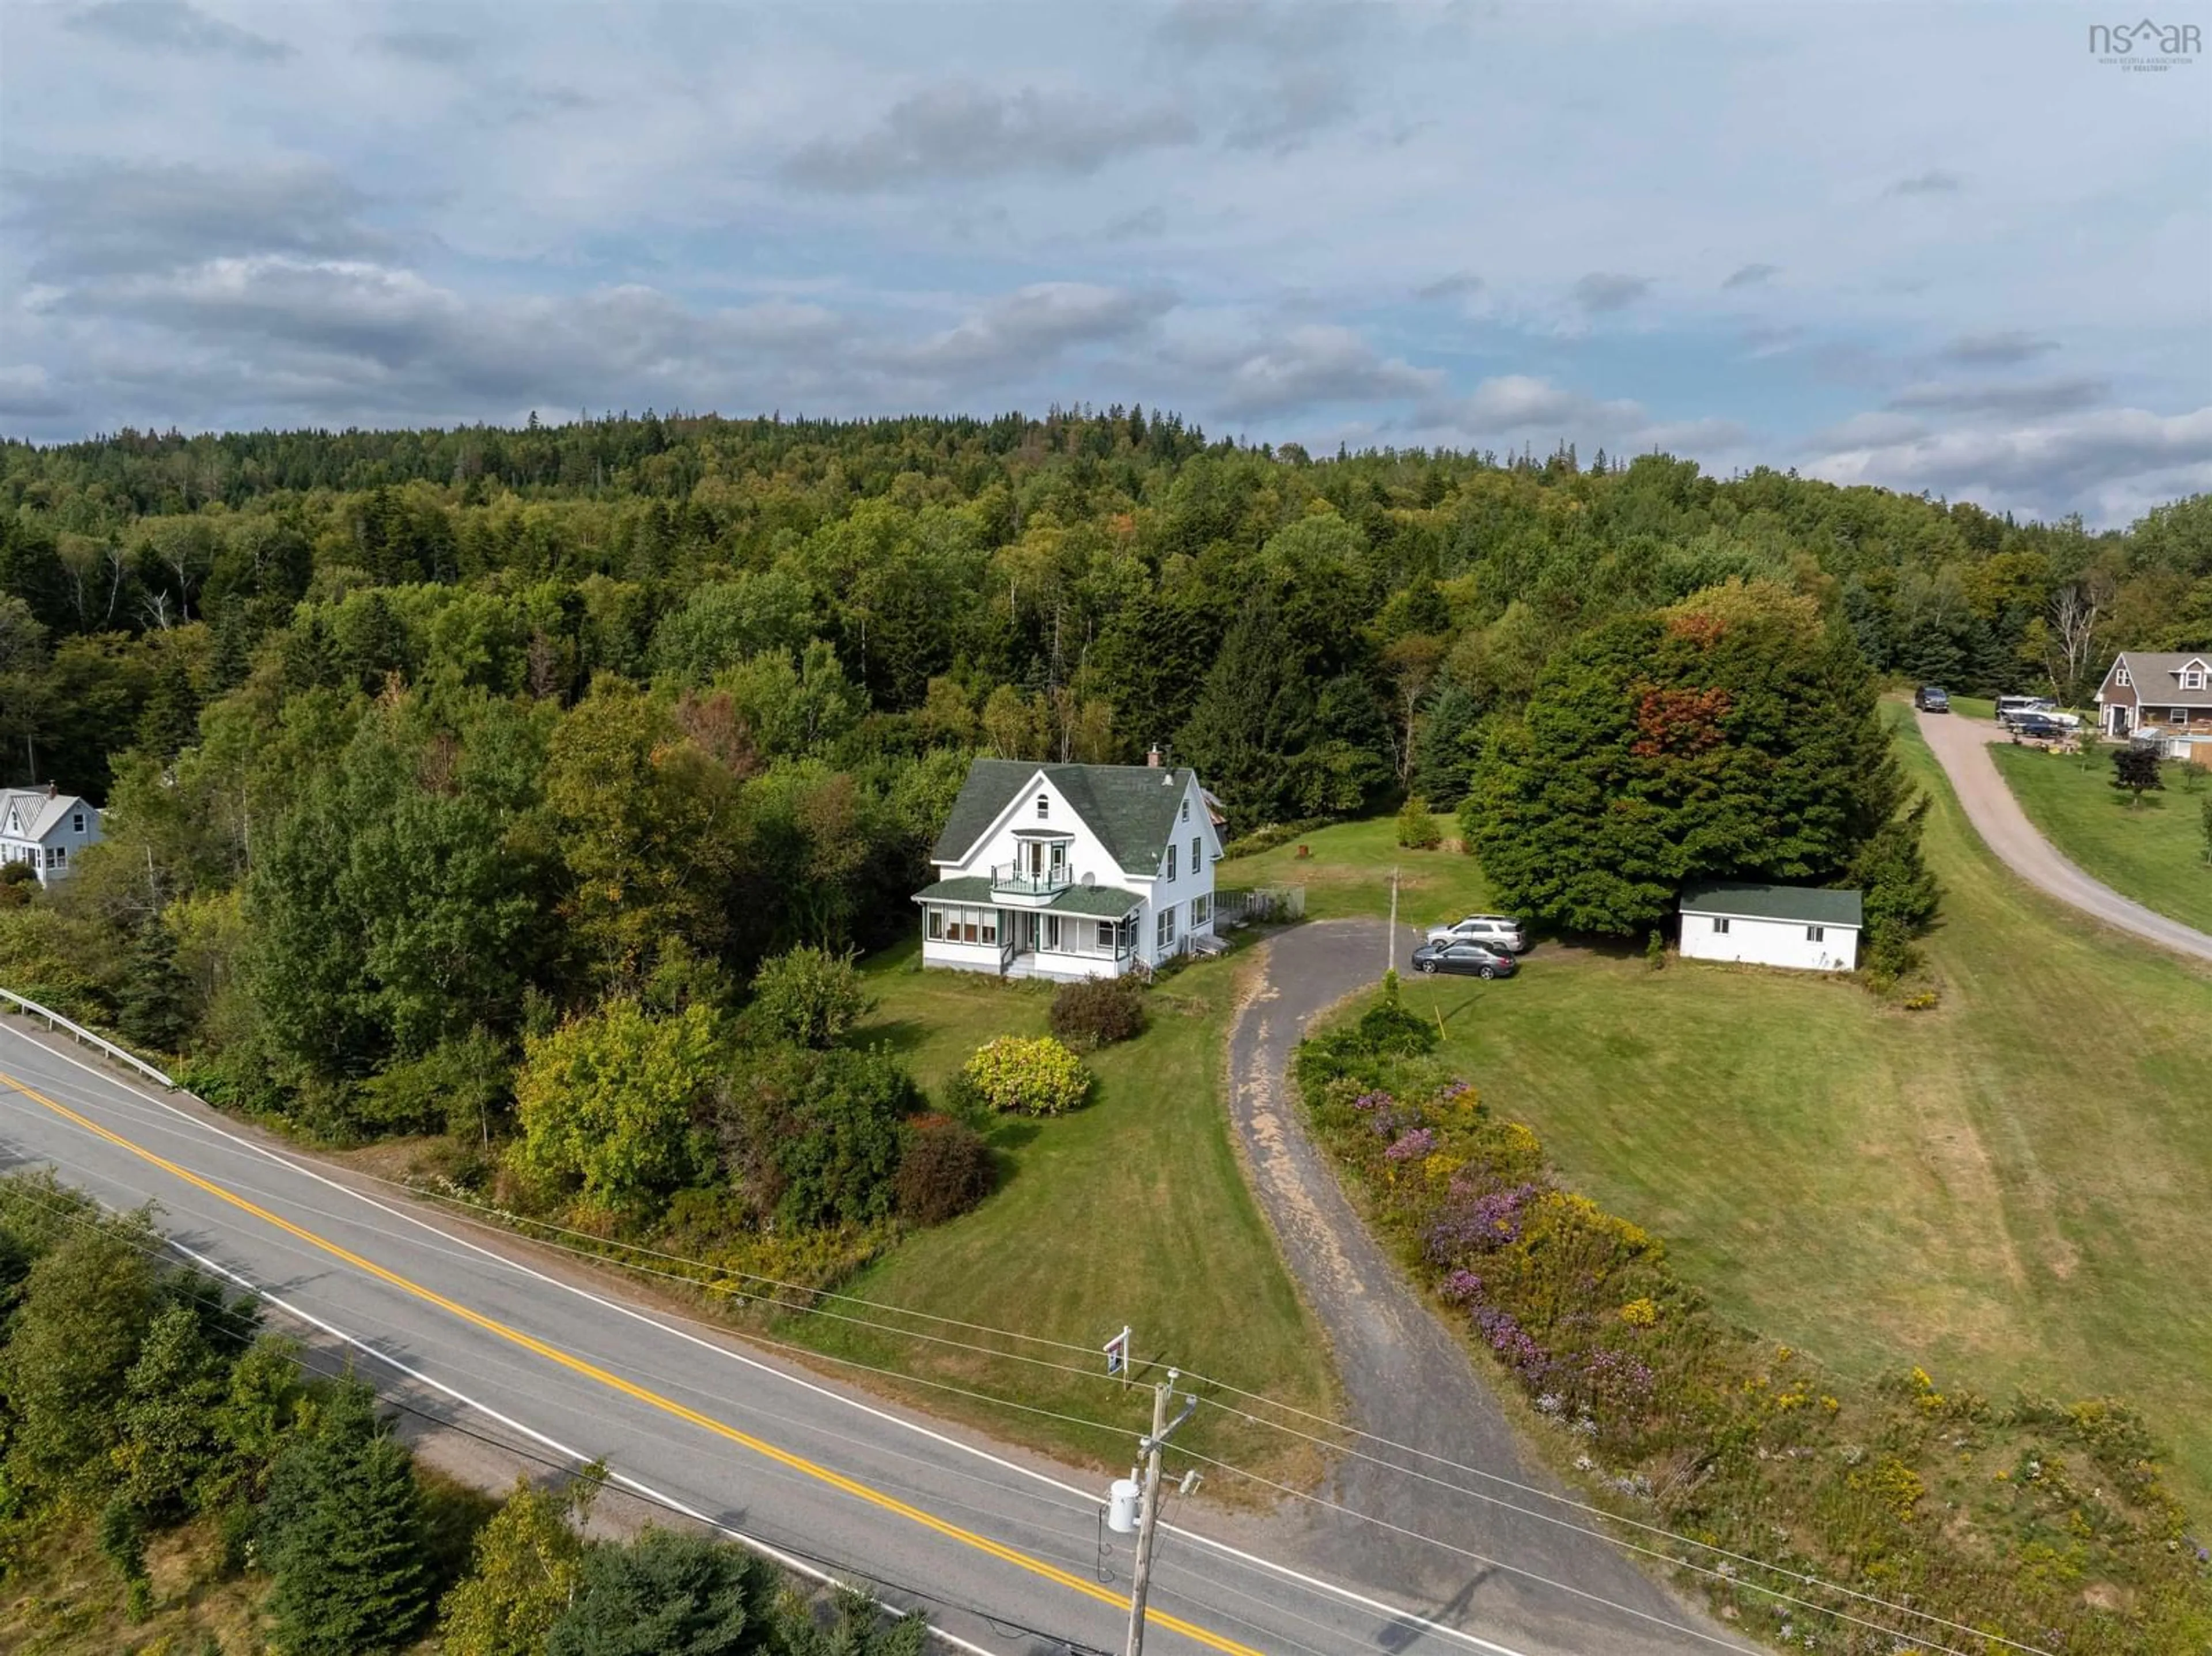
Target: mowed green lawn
<point>2013,1189</point>
<point>1132,1210</point>
<point>1346,871</point>
<point>2154,852</point>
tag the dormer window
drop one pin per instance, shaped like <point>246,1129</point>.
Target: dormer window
<point>2192,677</point>
<point>1044,805</point>
<point>2120,675</point>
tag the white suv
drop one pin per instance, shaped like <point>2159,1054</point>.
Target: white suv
<point>1495,930</point>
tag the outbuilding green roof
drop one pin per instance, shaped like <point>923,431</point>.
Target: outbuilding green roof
<point>1133,808</point>
<point>1751,900</point>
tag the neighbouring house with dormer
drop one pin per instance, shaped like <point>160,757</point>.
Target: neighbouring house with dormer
<point>1071,870</point>
<point>2157,694</point>
<point>47,828</point>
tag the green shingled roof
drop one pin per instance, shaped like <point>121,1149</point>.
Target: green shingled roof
<point>1807,904</point>
<point>1131,808</point>
<point>968,889</point>
<point>1099,901</point>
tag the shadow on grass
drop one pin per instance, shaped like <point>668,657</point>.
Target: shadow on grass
<point>1011,1136</point>
<point>900,1035</point>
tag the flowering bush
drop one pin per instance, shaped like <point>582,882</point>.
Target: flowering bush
<point>1749,1445</point>
<point>1411,1146</point>
<point>1025,1076</point>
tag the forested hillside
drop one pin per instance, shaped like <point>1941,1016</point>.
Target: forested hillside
<point>414,743</point>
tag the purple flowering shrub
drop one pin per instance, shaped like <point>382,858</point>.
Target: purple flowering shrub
<point>1412,1145</point>
<point>1703,1427</point>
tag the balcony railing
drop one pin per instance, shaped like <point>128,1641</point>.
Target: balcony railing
<point>1018,881</point>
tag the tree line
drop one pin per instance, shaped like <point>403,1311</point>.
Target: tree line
<point>420,749</point>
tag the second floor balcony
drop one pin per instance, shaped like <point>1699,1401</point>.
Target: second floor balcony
<point>1019,879</point>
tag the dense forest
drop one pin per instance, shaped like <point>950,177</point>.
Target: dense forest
<point>415,745</point>
<point>144,1412</point>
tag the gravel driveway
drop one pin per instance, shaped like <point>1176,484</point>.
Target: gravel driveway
<point>1409,1379</point>
<point>1961,745</point>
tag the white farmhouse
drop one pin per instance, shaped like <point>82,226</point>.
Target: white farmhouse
<point>45,828</point>
<point>1804,926</point>
<point>1070,871</point>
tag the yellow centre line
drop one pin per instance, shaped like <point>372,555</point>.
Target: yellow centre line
<point>667,1405</point>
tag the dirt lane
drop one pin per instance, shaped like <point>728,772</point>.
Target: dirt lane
<point>1961,746</point>
<point>1408,1379</point>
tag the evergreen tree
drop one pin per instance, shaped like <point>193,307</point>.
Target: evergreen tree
<point>1447,747</point>
<point>153,1009</point>
<point>170,721</point>
<point>669,1595</point>
<point>343,1532</point>
<point>1253,713</point>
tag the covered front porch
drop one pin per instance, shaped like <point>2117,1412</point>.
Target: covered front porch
<point>1084,931</point>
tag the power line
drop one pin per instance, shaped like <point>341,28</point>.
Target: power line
<point>247,1323</point>
<point>1801,1577</point>
<point>1804,1604</point>
<point>1598,1598</point>
<point>902,1376</point>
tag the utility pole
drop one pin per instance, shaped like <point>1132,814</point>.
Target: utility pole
<point>1390,940</point>
<point>1162,1429</point>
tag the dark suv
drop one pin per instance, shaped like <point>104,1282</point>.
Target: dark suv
<point>1931,699</point>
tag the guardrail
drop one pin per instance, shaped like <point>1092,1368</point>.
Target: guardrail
<point>85,1037</point>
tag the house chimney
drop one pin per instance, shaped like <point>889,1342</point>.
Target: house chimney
<point>51,790</point>
<point>1152,757</point>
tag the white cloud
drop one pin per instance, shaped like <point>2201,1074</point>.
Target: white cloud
<point>1308,364</point>
<point>2116,460</point>
<point>964,131</point>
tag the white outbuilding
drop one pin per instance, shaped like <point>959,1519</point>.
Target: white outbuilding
<point>1808,927</point>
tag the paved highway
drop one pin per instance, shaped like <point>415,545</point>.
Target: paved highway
<point>475,1333</point>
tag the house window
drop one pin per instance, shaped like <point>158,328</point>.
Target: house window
<point>2193,679</point>
<point>2120,675</point>
<point>1186,810</point>
<point>1196,861</point>
<point>1816,934</point>
<point>56,856</point>
<point>1105,934</point>
<point>1164,928</point>
<point>1201,911</point>
<point>77,822</point>
<point>1171,868</point>
<point>965,924</point>
<point>1044,805</point>
<point>1720,926</point>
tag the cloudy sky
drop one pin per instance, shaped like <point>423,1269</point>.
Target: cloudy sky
<point>1938,247</point>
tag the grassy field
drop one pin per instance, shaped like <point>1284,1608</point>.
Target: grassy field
<point>1132,1210</point>
<point>2013,1189</point>
<point>1347,872</point>
<point>2154,852</point>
